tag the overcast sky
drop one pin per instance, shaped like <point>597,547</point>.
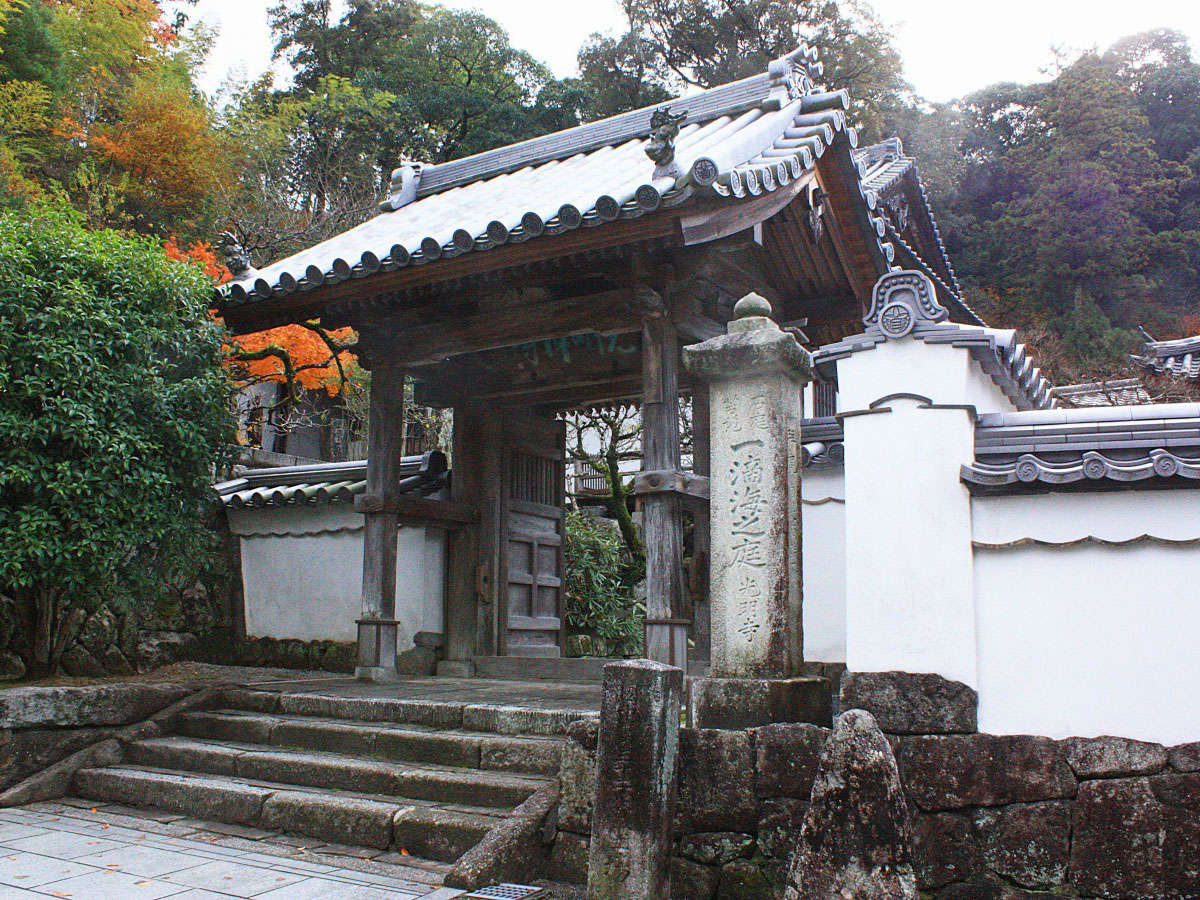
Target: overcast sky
<point>950,47</point>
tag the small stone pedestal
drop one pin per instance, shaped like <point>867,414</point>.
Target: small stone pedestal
<point>756,374</point>
<point>633,812</point>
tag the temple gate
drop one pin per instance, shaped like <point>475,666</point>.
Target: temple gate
<point>571,270</point>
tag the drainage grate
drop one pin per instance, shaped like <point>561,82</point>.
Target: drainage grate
<point>507,892</point>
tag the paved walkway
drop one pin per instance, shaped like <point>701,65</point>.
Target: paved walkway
<point>58,850</point>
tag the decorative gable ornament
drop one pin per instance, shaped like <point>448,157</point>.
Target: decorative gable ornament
<point>664,129</point>
<point>898,208</point>
<point>902,299</point>
<point>235,257</point>
<point>816,212</point>
<point>403,189</point>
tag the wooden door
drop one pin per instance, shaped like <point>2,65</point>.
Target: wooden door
<point>532,558</point>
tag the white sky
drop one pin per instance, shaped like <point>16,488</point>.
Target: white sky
<point>950,47</point>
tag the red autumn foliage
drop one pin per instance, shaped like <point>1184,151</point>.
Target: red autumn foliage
<point>310,356</point>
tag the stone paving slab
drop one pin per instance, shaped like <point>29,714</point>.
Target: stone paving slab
<point>85,853</point>
<point>555,695</point>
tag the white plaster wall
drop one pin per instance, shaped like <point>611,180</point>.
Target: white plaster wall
<point>302,574</point>
<point>1089,639</point>
<point>908,549</point>
<point>1112,516</point>
<point>941,372</point>
<point>824,556</point>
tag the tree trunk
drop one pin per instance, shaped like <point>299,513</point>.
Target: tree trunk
<point>618,505</point>
<point>50,629</point>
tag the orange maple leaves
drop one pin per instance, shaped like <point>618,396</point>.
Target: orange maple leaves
<point>313,361</point>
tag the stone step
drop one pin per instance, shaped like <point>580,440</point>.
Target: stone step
<point>535,755</point>
<point>441,714</point>
<point>441,833</point>
<point>319,769</point>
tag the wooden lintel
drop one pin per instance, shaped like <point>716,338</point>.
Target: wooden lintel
<point>664,481</point>
<point>442,513</point>
<point>260,314</point>
<point>608,312</point>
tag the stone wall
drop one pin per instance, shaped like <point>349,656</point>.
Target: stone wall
<point>994,816</point>
<point>41,725</point>
<point>137,636</point>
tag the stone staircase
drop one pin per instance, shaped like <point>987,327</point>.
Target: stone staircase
<point>426,780</point>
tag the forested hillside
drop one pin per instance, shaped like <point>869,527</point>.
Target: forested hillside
<point>1070,207</point>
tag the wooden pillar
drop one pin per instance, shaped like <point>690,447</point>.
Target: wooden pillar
<point>662,512</point>
<point>701,535</point>
<point>385,447</point>
<point>471,552</point>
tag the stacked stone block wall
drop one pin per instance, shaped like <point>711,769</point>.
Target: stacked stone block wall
<point>41,725</point>
<point>995,817</point>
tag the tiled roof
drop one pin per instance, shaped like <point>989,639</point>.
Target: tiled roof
<point>315,485</point>
<point>1117,392</point>
<point>739,140</point>
<point>1181,357</point>
<point>996,350</point>
<point>1096,445</point>
<point>822,442</point>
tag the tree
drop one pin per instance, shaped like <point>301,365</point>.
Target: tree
<point>616,72</point>
<point>705,43</point>
<point>113,413</point>
<point>602,438</point>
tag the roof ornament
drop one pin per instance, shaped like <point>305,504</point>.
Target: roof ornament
<point>664,128</point>
<point>796,72</point>
<point>902,299</point>
<point>898,207</point>
<point>816,212</point>
<point>403,188</point>
<point>236,259</point>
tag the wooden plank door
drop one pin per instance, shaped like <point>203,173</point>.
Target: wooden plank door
<point>534,490</point>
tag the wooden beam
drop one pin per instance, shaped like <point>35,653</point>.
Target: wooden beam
<point>260,314</point>
<point>683,484</point>
<point>441,513</point>
<point>610,312</point>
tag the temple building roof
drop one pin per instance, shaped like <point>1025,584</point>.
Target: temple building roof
<point>1114,392</point>
<point>739,144</point>
<point>1180,357</point>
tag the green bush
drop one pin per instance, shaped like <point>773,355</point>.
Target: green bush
<point>600,600</point>
<point>113,410</point>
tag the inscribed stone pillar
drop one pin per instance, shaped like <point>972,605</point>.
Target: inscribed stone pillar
<point>756,374</point>
<point>377,629</point>
<point>633,811</point>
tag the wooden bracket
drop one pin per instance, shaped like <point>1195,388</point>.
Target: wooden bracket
<point>665,481</point>
<point>440,513</point>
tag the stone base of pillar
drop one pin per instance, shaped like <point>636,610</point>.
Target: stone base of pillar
<point>376,673</point>
<point>737,703</point>
<point>377,647</point>
<point>456,668</point>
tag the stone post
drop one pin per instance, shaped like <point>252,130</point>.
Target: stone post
<point>633,813</point>
<point>756,375</point>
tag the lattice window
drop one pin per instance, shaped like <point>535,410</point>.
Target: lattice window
<point>533,479</point>
<point>824,398</point>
